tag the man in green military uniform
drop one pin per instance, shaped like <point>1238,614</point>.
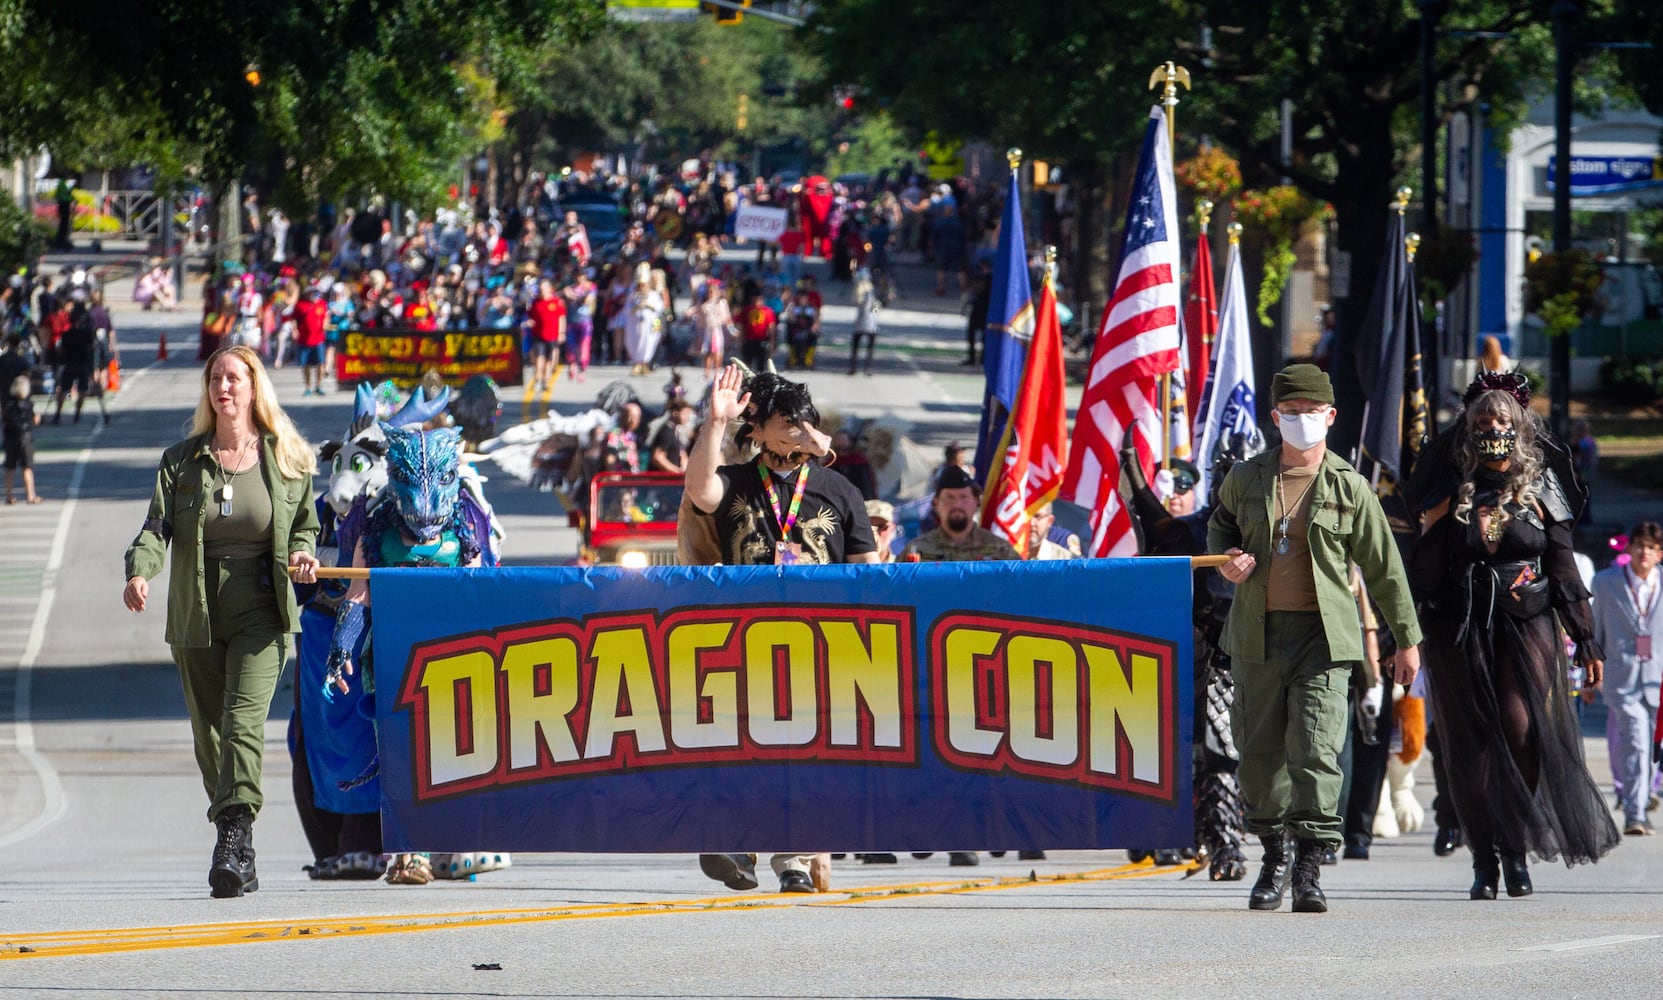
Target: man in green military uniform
<point>1293,520</point>
<point>957,537</point>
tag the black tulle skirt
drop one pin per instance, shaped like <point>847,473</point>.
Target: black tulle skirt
<point>1470,672</point>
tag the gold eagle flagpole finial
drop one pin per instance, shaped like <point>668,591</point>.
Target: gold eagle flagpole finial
<point>1171,75</point>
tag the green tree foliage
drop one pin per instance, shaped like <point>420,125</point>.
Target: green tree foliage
<point>874,142</point>
<point>1641,22</point>
<point>1064,80</point>
<point>351,94</point>
<point>1067,80</point>
<point>669,90</point>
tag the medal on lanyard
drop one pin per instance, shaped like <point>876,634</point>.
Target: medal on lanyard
<point>786,552</point>
<point>1642,641</point>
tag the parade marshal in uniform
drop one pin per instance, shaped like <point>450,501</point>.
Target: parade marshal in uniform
<point>1294,519</point>
<point>957,537</point>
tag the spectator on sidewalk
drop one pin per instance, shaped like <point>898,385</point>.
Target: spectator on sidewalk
<point>310,317</point>
<point>154,288</point>
<point>867,306</point>
<point>947,234</point>
<point>78,350</point>
<point>1585,459</point>
<point>1627,617</point>
<point>981,297</point>
<point>19,420</point>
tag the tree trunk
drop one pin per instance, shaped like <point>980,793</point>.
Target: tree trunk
<point>1089,254</point>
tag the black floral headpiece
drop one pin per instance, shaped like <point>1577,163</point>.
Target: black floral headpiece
<point>1512,383</point>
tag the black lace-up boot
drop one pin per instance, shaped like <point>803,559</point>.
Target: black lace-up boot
<point>1307,869</point>
<point>1273,877</point>
<point>232,872</point>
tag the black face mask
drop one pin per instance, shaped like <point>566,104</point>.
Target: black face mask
<point>1496,443</point>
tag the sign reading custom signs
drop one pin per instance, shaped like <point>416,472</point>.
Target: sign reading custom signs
<point>1610,174</point>
<point>796,708</point>
<point>758,222</point>
<point>406,355</point>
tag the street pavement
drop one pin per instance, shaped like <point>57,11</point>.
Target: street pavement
<point>105,845</point>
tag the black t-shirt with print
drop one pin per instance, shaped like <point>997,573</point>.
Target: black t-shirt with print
<point>831,523</point>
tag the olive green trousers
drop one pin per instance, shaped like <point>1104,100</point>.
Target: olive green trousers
<point>1289,721</point>
<point>229,684</point>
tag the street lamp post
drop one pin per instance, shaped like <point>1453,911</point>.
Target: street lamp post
<point>1431,11</point>
<point>1564,27</point>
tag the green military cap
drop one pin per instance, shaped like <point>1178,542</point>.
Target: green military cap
<point>1302,382</point>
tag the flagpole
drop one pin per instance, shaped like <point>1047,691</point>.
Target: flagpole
<point>1169,76</point>
<point>996,461</point>
<point>1204,209</point>
<point>1400,206</point>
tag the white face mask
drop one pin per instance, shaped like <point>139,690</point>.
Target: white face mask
<point>1303,430</point>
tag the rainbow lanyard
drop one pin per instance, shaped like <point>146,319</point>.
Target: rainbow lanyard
<point>788,520</point>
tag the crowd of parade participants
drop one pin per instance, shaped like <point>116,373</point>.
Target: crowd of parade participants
<point>1311,711</point>
<point>579,266</point>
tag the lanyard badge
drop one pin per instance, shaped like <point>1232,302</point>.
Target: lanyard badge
<point>786,552</point>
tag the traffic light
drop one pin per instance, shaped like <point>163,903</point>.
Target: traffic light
<point>726,11</point>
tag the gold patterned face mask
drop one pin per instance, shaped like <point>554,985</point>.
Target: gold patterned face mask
<point>1496,443</point>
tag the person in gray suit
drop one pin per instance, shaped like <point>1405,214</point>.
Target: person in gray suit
<point>1628,619</point>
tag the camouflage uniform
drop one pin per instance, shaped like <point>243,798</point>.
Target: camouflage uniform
<point>980,544</point>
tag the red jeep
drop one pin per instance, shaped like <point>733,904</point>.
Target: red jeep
<point>632,519</point>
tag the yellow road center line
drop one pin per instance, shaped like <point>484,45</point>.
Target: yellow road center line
<point>131,939</point>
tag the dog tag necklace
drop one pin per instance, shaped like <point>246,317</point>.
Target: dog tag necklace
<point>1282,523</point>
<point>226,490</point>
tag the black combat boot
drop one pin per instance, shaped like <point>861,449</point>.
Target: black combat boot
<point>1273,877</point>
<point>1486,871</point>
<point>1515,871</point>
<point>1307,869</point>
<point>232,873</point>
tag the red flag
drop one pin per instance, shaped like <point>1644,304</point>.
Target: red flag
<point>1037,451</point>
<point>1200,321</point>
<point>1136,342</point>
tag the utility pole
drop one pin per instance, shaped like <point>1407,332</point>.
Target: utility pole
<point>1431,11</point>
<point>1565,14</point>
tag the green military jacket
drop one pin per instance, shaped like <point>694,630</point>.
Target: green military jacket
<point>1346,526</point>
<point>178,513</point>
<point>935,546</point>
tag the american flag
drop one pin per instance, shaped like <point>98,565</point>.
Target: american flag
<point>1136,342</point>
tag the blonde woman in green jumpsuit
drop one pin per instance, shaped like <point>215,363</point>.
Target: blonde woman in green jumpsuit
<point>235,500</point>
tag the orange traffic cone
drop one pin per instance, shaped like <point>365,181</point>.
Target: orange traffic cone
<point>161,348</point>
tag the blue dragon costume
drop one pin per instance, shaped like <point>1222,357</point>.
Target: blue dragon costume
<point>421,518</point>
<point>332,735</point>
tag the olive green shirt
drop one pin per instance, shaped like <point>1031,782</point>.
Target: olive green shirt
<point>185,482</point>
<point>1345,525</point>
<point>935,546</point>
<point>246,531</point>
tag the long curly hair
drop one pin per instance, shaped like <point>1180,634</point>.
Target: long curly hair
<point>1524,473</point>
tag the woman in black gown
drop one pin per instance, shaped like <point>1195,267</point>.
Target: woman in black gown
<point>1492,566</point>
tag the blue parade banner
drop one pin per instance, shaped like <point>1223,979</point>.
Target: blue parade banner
<point>852,708</point>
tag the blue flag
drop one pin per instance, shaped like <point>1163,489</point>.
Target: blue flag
<point>1010,326</point>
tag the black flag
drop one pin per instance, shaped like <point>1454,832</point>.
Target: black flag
<point>1396,424</point>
